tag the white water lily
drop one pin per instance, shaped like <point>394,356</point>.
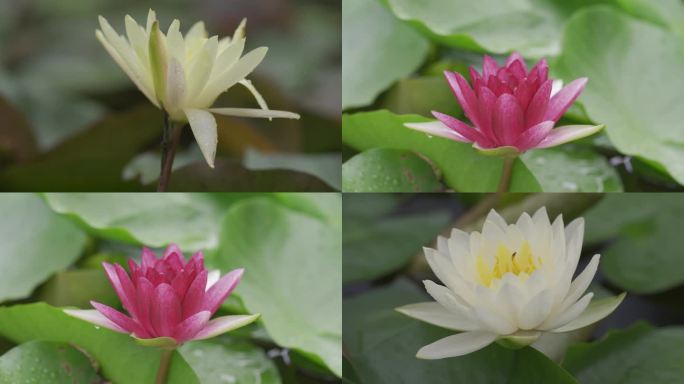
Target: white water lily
<point>510,284</point>
<point>185,75</point>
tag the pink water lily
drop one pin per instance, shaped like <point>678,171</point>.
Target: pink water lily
<point>511,109</point>
<point>169,301</point>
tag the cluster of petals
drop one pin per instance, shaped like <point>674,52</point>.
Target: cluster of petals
<point>184,75</point>
<point>511,109</point>
<point>510,284</point>
<point>167,298</point>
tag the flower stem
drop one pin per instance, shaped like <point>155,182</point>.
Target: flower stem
<point>164,365</point>
<point>506,173</point>
<point>170,139</point>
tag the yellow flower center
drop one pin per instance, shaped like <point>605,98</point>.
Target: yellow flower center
<point>520,263</point>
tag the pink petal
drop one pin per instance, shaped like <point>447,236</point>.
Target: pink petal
<point>508,119</point>
<point>174,256</point>
<point>464,94</point>
<point>562,135</point>
<point>94,317</point>
<point>181,282</point>
<point>475,78</point>
<point>189,327</point>
<point>134,269</point>
<point>517,69</point>
<point>437,128</point>
<point>489,67</point>
<point>533,136</point>
<point>541,70</point>
<point>486,103</point>
<point>166,310</point>
<point>224,324</point>
<point>459,127</point>
<point>561,101</point>
<point>516,57</point>
<point>149,259</point>
<point>144,303</point>
<point>524,94</point>
<point>537,108</point>
<point>122,286</point>
<point>197,260</point>
<point>122,321</point>
<point>194,297</point>
<point>216,295</point>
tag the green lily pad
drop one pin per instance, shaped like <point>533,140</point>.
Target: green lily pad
<point>571,168</point>
<point>421,96</point>
<point>462,167</point>
<point>120,358</point>
<point>376,244</point>
<point>292,274</point>
<point>36,243</point>
<point>389,170</point>
<point>532,27</point>
<point>638,354</point>
<point>378,50</point>
<point>628,92</point>
<point>229,360</point>
<point>645,229</point>
<point>46,362</point>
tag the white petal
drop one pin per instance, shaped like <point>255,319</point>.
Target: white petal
<point>581,283</point>
<point>212,277</point>
<point>494,321</point>
<point>224,324</point>
<point>442,268</point>
<point>570,314</point>
<point>137,38</point>
<point>151,18</point>
<point>436,314</point>
<point>175,86</point>
<point>197,32</point>
<point>227,79</point>
<point>175,42</point>
<point>203,125</point>
<point>257,96</point>
<point>437,128</point>
<point>200,69</point>
<point>256,113</point>
<point>596,311</point>
<point>574,236</point>
<point>94,317</point>
<point>456,345</point>
<point>536,310</point>
<point>562,135</point>
<point>446,298</point>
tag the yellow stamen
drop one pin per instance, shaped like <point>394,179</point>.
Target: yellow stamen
<point>520,263</point>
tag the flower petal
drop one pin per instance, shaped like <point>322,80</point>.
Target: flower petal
<point>508,121</point>
<point>464,94</point>
<point>122,321</point>
<point>596,311</point>
<point>95,317</point>
<point>562,135</point>
<point>189,327</point>
<point>203,125</point>
<point>533,136</point>
<point>255,113</point>
<point>230,77</point>
<point>461,128</point>
<point>217,294</point>
<point>194,297</point>
<point>433,313</point>
<point>224,324</point>
<point>489,67</point>
<point>562,100</point>
<point>122,286</point>
<point>456,345</point>
<point>437,128</point>
<point>166,310</point>
<point>538,104</point>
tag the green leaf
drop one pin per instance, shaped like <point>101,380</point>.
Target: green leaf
<point>638,354</point>
<point>35,244</point>
<point>378,50</point>
<point>231,175</point>
<point>645,254</point>
<point>382,344</point>
<point>571,168</point>
<point>324,166</point>
<point>292,274</point>
<point>666,13</point>
<point>92,160</point>
<point>229,360</point>
<point>532,27</point>
<point>375,245</point>
<point>189,220</point>
<point>627,91</point>
<point>389,170</point>
<point>65,288</point>
<point>462,167</point>
<point>120,358</point>
<point>46,362</point>
<point>421,96</point>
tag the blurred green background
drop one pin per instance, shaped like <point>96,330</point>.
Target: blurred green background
<point>71,119</point>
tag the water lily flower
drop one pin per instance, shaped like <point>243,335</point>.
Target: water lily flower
<point>512,110</point>
<point>510,284</point>
<point>169,301</point>
<point>184,75</point>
